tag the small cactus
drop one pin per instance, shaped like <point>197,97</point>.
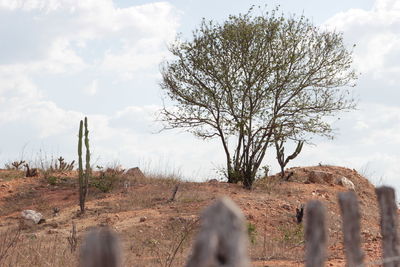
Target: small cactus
<point>280,151</point>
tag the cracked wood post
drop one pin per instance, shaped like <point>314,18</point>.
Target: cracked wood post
<point>351,228</point>
<point>315,234</point>
<point>101,248</point>
<point>388,210</point>
<point>222,239</point>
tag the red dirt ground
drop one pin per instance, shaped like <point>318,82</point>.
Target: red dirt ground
<point>270,207</point>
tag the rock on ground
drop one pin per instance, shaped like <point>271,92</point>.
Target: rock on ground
<point>346,183</point>
<point>32,215</point>
<point>134,172</point>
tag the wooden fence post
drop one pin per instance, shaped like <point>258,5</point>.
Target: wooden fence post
<point>315,234</point>
<point>100,248</point>
<point>351,228</point>
<point>388,211</point>
<point>222,240</point>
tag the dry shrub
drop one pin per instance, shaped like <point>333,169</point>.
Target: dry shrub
<point>9,239</point>
<point>7,175</point>
<point>168,245</point>
<point>47,250</point>
<point>269,184</point>
<point>284,244</point>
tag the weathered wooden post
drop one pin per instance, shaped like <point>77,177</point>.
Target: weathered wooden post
<point>315,234</point>
<point>390,241</point>
<point>351,228</point>
<point>101,248</point>
<point>222,240</point>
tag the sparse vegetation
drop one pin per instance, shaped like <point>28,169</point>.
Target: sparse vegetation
<point>52,180</point>
<point>8,241</point>
<point>252,232</point>
<point>164,236</point>
<point>268,184</point>
<point>72,238</point>
<point>16,165</point>
<point>179,231</point>
<point>60,165</point>
<point>106,180</point>
<point>292,234</point>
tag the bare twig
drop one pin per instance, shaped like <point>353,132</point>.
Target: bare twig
<point>72,239</point>
<point>8,240</point>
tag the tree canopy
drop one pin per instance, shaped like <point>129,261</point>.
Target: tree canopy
<point>253,76</point>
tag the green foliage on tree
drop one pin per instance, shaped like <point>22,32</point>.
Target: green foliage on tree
<point>241,79</point>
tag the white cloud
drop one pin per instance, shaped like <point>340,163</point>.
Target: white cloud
<point>58,36</point>
<point>91,88</point>
<point>377,35</point>
<point>81,44</point>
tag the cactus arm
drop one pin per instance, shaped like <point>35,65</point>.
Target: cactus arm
<point>88,168</point>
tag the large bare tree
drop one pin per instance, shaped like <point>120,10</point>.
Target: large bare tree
<point>241,79</point>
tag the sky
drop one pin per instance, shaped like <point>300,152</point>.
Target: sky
<point>61,60</point>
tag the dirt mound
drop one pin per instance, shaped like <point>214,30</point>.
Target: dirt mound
<point>150,226</point>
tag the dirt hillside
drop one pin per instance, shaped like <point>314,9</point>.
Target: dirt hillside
<point>151,227</point>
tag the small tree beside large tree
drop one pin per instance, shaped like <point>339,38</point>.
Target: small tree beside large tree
<point>241,80</point>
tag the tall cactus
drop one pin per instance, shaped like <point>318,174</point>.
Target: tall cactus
<point>83,175</point>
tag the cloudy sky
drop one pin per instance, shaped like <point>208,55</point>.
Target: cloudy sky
<point>61,60</point>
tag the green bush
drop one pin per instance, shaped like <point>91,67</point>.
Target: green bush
<point>292,234</point>
<point>106,181</point>
<point>52,180</point>
<point>252,232</point>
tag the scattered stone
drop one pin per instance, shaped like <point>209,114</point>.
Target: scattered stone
<point>343,181</point>
<point>286,207</point>
<point>143,219</point>
<point>213,181</point>
<point>320,177</point>
<point>32,215</point>
<point>134,172</point>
